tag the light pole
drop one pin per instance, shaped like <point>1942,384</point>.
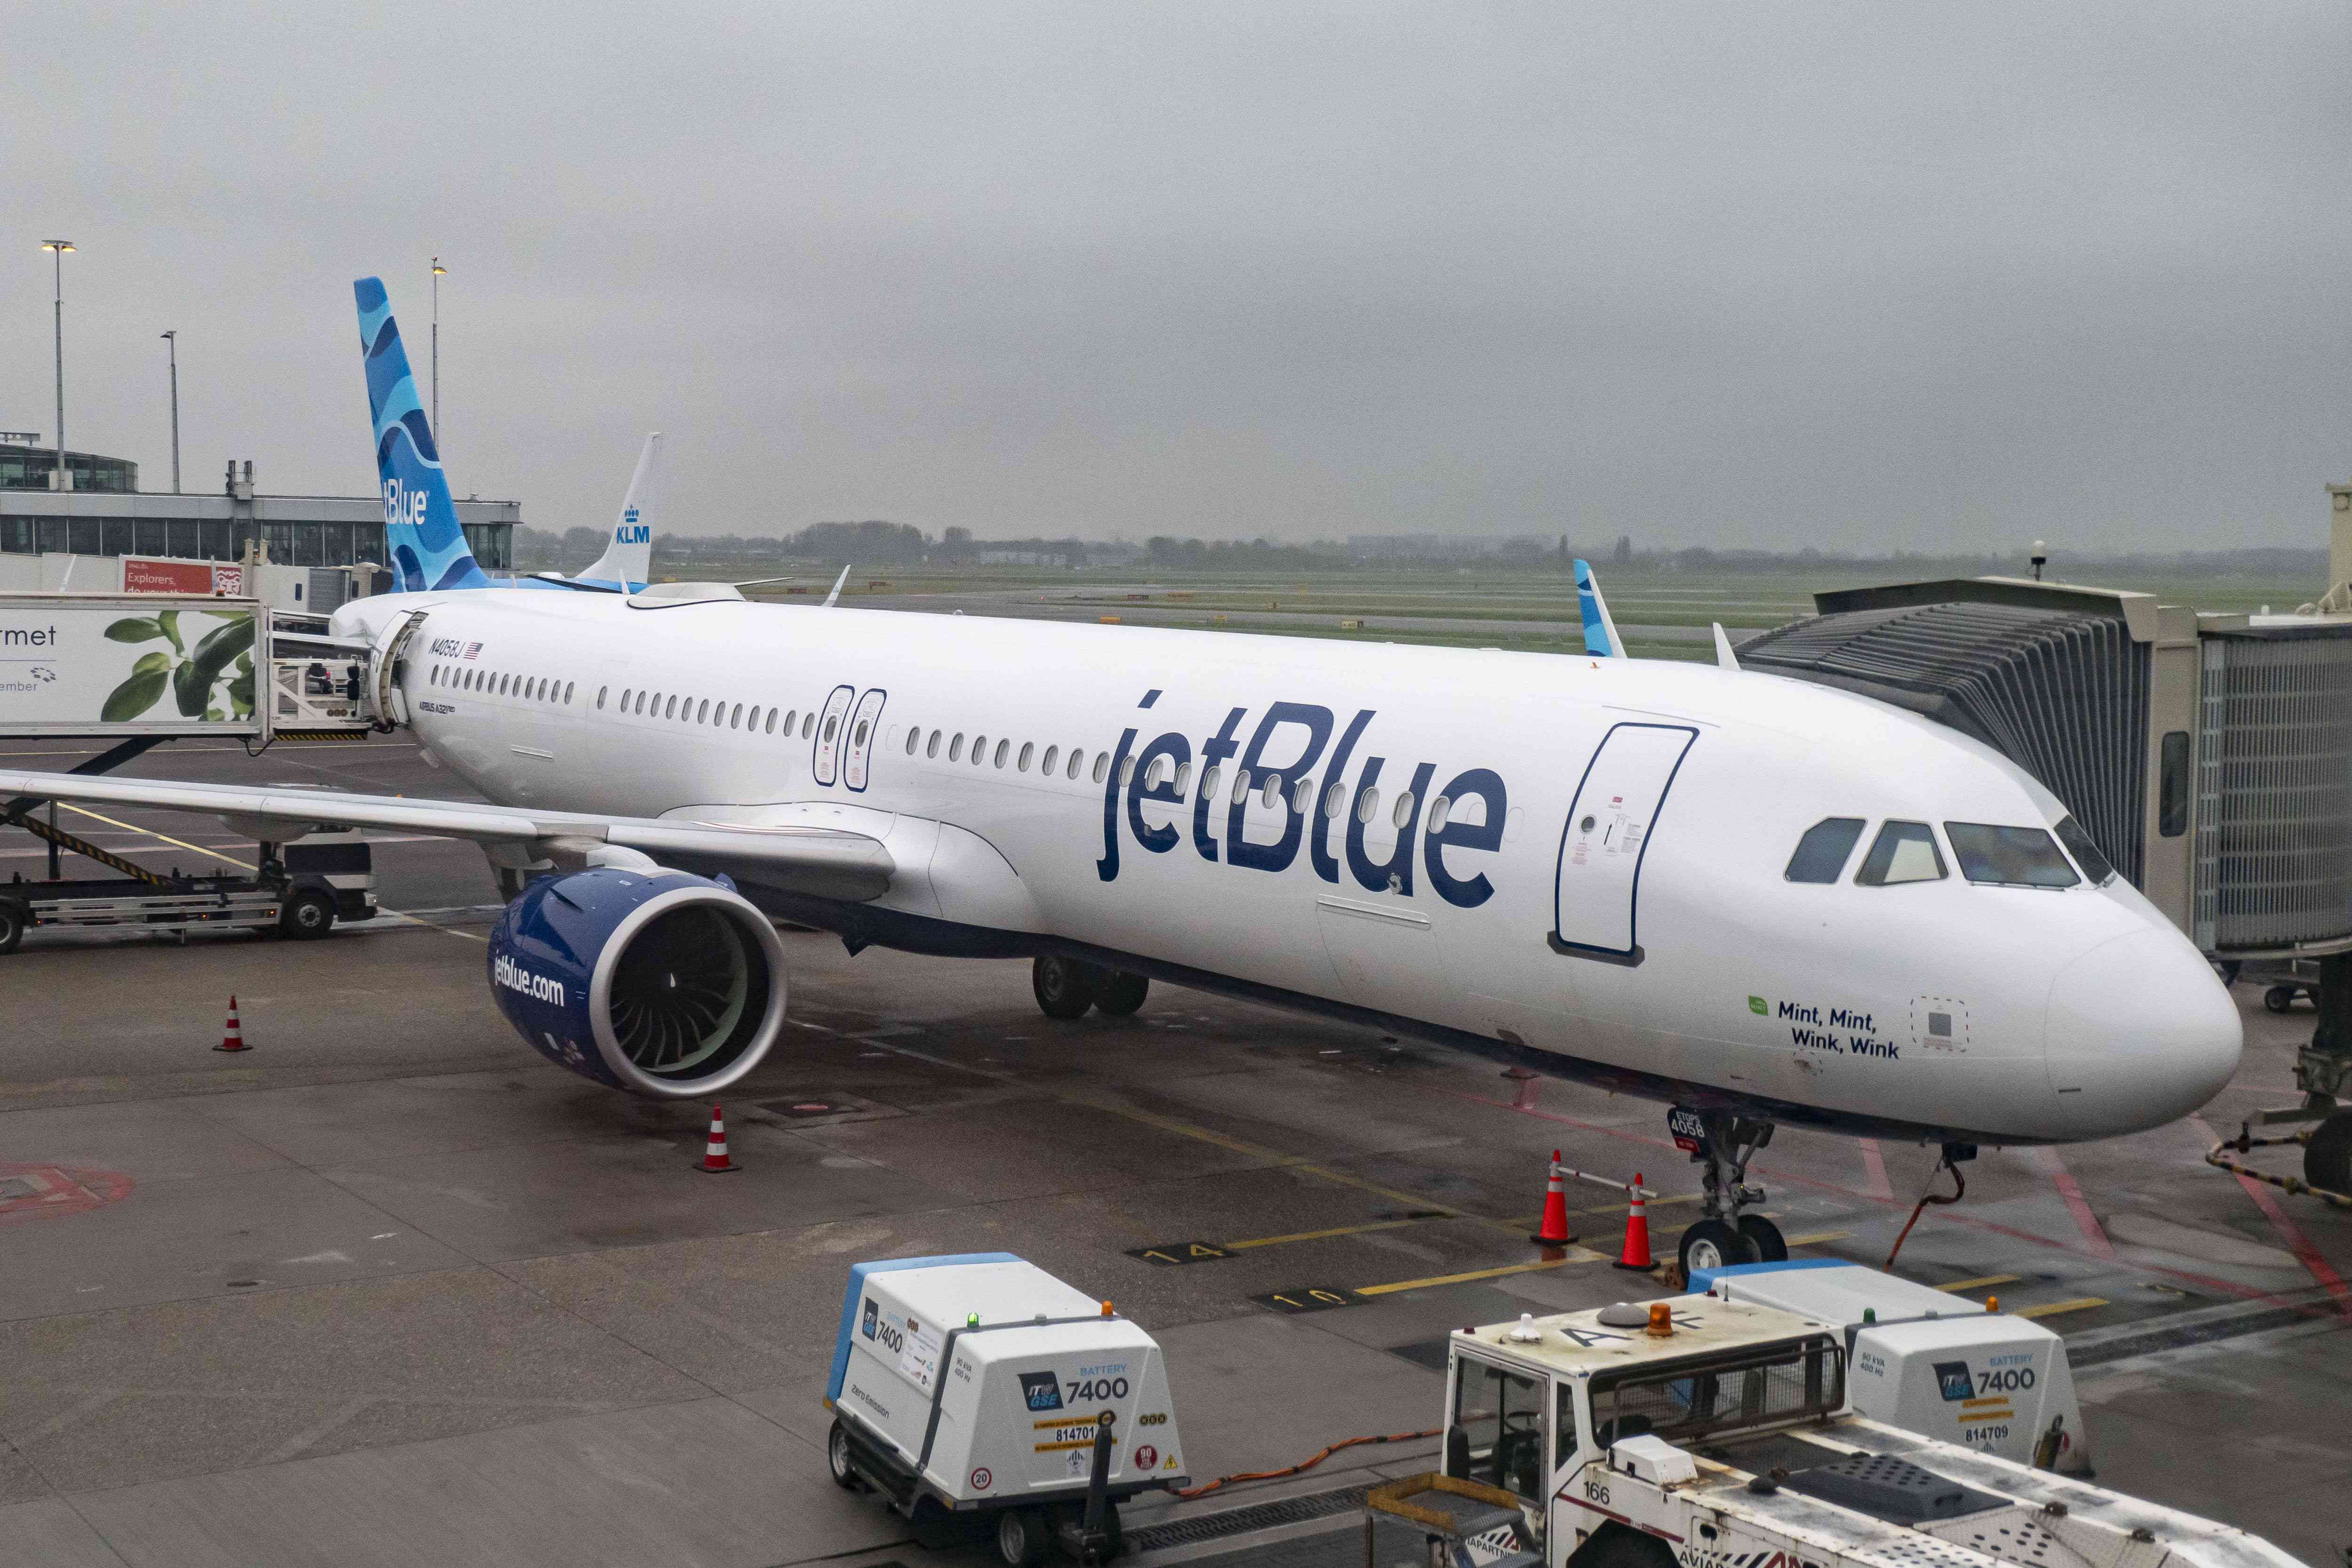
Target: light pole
<point>174,339</point>
<point>57,249</point>
<point>439,272</point>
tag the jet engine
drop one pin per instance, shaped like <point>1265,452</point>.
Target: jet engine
<point>658,982</point>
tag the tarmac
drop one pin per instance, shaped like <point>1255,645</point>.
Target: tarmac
<point>389,1289</point>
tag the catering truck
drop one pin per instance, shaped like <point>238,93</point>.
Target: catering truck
<point>1694,1432</point>
<point>142,670</point>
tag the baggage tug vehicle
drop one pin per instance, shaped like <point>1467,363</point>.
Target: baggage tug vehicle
<point>1699,1433</point>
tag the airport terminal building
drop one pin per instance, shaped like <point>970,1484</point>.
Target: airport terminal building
<point>106,514</point>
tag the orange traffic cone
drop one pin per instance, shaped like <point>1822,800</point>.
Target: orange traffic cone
<point>233,1037</point>
<point>1637,1233</point>
<point>715,1162</point>
<point>1554,1231</point>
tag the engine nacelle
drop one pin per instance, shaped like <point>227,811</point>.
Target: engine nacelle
<point>658,982</point>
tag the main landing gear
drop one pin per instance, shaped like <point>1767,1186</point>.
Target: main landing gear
<point>1724,1143</point>
<point>1067,987</point>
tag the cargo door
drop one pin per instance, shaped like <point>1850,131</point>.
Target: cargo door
<point>1385,952</point>
<point>1597,897</point>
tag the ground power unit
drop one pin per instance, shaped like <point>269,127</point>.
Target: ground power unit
<point>1931,1362</point>
<point>980,1385</point>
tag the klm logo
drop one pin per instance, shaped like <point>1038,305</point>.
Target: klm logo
<point>631,531</point>
<point>1288,766</point>
<point>402,506</point>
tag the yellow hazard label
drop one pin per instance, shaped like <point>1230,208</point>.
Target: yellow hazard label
<point>1085,1442</point>
<point>2003,1413</point>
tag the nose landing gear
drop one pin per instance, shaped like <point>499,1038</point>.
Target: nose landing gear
<point>1722,1144</point>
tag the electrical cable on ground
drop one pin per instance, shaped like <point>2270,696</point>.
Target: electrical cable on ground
<point>1961,1184</point>
<point>1207,1488</point>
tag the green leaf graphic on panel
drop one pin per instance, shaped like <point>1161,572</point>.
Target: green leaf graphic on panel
<point>135,628</point>
<point>152,661</point>
<point>1756,1005</point>
<point>169,622</point>
<point>134,696</point>
<point>192,686</point>
<point>223,643</point>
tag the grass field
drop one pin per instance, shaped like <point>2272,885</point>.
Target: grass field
<point>1531,610</point>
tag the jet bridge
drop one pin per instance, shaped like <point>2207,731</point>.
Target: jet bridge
<point>2210,756</point>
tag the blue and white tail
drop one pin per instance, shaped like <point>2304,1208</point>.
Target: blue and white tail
<point>1599,632</point>
<point>627,562</point>
<point>420,527</point>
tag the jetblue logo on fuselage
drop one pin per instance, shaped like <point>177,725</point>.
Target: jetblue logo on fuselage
<point>1290,746</point>
<point>402,506</point>
<point>514,977</point>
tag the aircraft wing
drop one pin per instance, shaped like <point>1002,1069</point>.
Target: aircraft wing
<point>825,862</point>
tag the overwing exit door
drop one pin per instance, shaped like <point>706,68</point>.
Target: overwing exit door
<point>1596,903</point>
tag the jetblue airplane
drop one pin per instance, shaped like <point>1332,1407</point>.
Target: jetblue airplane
<point>1753,899</point>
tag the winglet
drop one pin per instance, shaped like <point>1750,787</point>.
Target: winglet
<point>830,599</point>
<point>1724,657</point>
<point>420,527</point>
<point>1599,632</point>
<point>628,558</point>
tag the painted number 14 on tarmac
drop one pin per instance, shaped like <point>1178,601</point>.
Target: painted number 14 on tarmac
<point>1176,1254</point>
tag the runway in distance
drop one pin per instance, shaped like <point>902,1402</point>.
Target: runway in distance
<point>1751,898</point>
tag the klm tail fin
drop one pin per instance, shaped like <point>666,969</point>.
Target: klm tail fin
<point>1599,631</point>
<point>628,558</point>
<point>420,527</point>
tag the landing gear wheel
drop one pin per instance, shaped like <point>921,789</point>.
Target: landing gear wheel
<point>1770,1246</point>
<point>2279,998</point>
<point>2327,1158</point>
<point>1064,987</point>
<point>1711,1244</point>
<point>1021,1536</point>
<point>836,1458</point>
<point>1123,995</point>
<point>13,917</point>
<point>307,915</point>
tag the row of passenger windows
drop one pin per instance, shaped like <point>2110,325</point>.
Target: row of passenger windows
<point>718,712</point>
<point>492,683</point>
<point>1907,852</point>
<point>938,745</point>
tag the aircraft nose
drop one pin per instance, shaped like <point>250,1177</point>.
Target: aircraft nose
<point>2140,1032</point>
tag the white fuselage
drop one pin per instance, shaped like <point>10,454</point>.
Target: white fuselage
<point>1650,937</point>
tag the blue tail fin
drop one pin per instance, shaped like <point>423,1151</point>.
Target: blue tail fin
<point>420,527</point>
<point>1599,632</point>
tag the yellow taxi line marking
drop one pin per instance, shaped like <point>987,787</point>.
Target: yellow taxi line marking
<point>1816,1237</point>
<point>1320,1234</point>
<point>1979,1284</point>
<point>1460,1278</point>
<point>2052,1309</point>
<point>150,833</point>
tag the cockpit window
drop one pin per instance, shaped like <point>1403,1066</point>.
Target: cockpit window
<point>2013,856</point>
<point>1903,852</point>
<point>2078,844</point>
<point>1822,852</point>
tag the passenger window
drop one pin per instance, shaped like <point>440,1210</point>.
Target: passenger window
<point>641,702</point>
<point>830,726</point>
<point>600,697</point>
<point>1127,773</point>
<point>703,715</point>
<point>1497,1436</point>
<point>1335,800</point>
<point>1368,805</point>
<point>1077,757</point>
<point>1273,791</point>
<point>1002,747</point>
<point>1053,755</point>
<point>1241,788</point>
<point>1439,807</point>
<point>1822,852</point>
<point>1903,852</point>
<point>1157,774</point>
<point>2087,854</point>
<point>914,739</point>
<point>865,728</point>
<point>669,708</point>
<point>932,750</point>
<point>735,720</point>
<point>771,721</point>
<point>1102,765</point>
<point>1302,796</point>
<point>808,724</point>
<point>979,750</point>
<point>1183,779</point>
<point>1028,749</point>
<point>790,716</point>
<point>2010,857</point>
<point>1209,780</point>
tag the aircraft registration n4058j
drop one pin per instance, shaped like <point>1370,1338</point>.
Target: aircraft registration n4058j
<point>1751,898</point>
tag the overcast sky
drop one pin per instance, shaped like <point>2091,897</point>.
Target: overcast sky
<point>1865,277</point>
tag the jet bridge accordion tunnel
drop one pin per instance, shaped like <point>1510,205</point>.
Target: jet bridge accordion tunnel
<point>2209,756</point>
